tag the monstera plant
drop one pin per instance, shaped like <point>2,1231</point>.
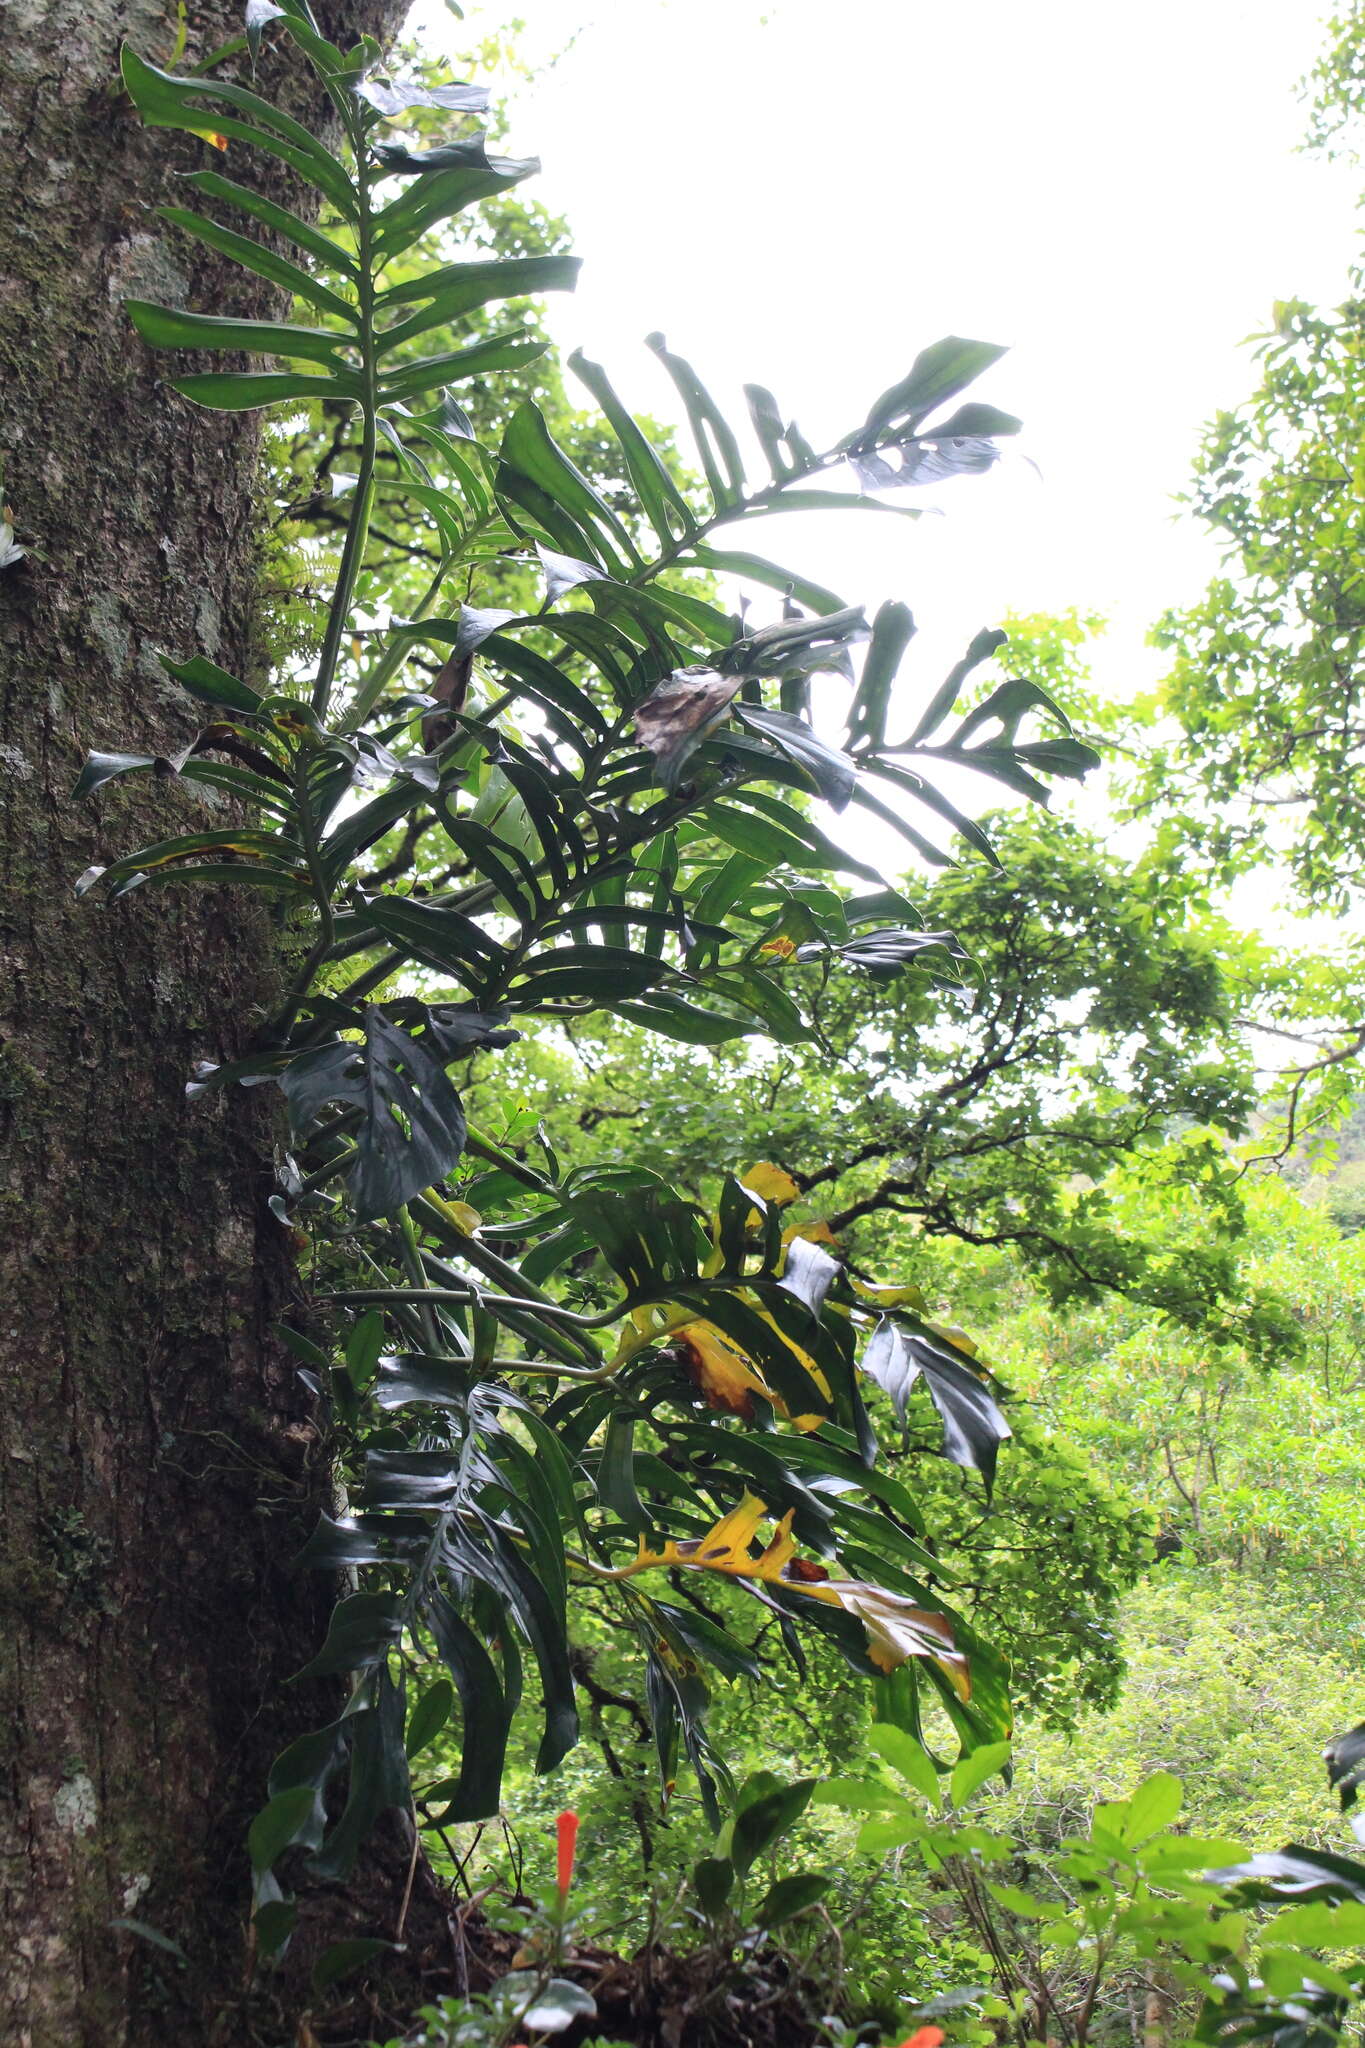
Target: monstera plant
<point>539,1385</point>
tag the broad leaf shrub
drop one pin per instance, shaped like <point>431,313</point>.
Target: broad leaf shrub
<point>547,1385</point>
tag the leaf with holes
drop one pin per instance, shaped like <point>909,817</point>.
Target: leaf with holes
<point>410,1130</point>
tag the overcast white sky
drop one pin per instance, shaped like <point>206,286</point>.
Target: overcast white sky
<point>805,194</point>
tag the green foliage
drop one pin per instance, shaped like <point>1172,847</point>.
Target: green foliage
<point>538,1401</point>
<point>1100,1022</point>
<point>1264,676</point>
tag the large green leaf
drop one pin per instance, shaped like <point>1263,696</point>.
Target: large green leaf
<point>167,327</point>
<point>196,104</point>
<point>485,1720</point>
<point>459,289</point>
<point>379,1778</point>
<point>243,391</point>
<point>411,1127</point>
<point>973,1426</point>
<point>664,504</point>
<point>278,219</point>
<point>437,194</point>
<point>938,373</point>
<point>267,263</point>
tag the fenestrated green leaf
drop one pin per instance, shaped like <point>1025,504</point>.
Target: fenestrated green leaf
<point>771,430</point>
<point>411,1130</point>
<point>973,1427</point>
<point>362,1539</point>
<point>892,631</point>
<point>756,569</point>
<point>829,768</point>
<point>762,839</point>
<point>483,1708</point>
<point>882,953</point>
<point>973,422</point>
<point>254,256</point>
<point>499,352</point>
<point>937,373</point>
<point>458,289</point>
<point>410,1479</point>
<point>435,933</point>
<point>301,233</point>
<point>466,155</point>
<point>673,1017</point>
<point>716,443</point>
<point>664,504</point>
<point>798,646</point>
<point>988,642</point>
<point>644,1230</point>
<point>411,1381</point>
<point>363,1629</point>
<point>429,1716</point>
<point>439,194</point>
<point>616,1487</point>
<point>809,1272</point>
<point>297,20</point>
<point>195,104</point>
<point>933,799</point>
<point>244,843</point>
<point>1002,755</point>
<point>286,1820</point>
<point>389,97</point>
<point>496,1560</point>
<point>578,518</point>
<point>709,1643</point>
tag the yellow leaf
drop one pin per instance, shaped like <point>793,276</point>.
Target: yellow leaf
<point>726,1547</point>
<point>804,1422</point>
<point>778,949</point>
<point>729,1379</point>
<point>891,1297</point>
<point>770,1183</point>
<point>957,1337</point>
<point>896,1628</point>
<point>460,1214</point>
<point>723,1375</point>
<point>814,1233</point>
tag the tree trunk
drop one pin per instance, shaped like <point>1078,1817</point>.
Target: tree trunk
<point>157,1464</point>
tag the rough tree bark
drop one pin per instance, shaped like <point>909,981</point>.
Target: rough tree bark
<point>156,1467</point>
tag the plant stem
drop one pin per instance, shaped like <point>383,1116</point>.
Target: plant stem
<point>353,552</point>
<point>391,660</point>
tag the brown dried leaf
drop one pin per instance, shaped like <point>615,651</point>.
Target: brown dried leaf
<point>676,717</point>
